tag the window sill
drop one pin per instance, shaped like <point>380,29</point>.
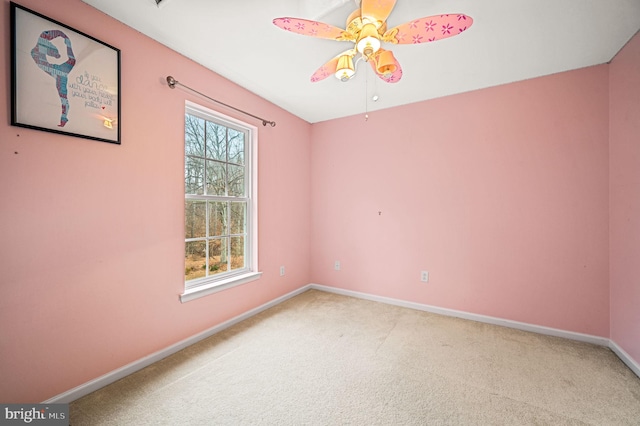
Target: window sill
<point>207,289</point>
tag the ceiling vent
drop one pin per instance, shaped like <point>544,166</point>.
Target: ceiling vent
<point>160,3</point>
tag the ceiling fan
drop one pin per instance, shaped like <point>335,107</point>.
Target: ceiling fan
<point>366,27</point>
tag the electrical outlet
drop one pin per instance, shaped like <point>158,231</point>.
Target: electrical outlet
<point>424,276</point>
<point>282,271</point>
<point>336,265</point>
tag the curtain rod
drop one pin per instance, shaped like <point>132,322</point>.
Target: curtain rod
<point>172,82</point>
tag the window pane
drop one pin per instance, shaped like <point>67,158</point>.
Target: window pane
<point>236,146</point>
<point>194,176</point>
<point>238,218</point>
<point>195,258</point>
<point>216,174</point>
<point>237,252</point>
<point>218,254</point>
<point>236,181</point>
<point>195,219</point>
<point>193,135</point>
<point>216,141</point>
<point>217,219</point>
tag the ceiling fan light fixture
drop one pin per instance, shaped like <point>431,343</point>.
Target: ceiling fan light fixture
<point>345,69</point>
<point>366,29</point>
<point>368,41</point>
<point>386,63</point>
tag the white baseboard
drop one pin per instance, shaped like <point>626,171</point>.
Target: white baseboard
<point>625,357</point>
<point>596,340</point>
<point>97,383</point>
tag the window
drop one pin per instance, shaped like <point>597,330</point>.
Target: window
<point>220,202</point>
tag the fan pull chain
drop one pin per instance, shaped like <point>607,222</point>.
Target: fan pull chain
<point>366,95</point>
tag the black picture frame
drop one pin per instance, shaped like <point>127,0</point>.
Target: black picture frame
<point>63,80</point>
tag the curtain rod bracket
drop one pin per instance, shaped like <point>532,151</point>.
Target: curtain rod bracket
<point>172,82</point>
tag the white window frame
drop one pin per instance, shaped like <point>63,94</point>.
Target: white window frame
<point>200,287</point>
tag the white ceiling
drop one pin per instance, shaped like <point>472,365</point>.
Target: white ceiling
<point>510,40</point>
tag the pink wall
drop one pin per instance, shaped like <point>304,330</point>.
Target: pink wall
<point>624,184</point>
<point>91,234</point>
<point>501,194</point>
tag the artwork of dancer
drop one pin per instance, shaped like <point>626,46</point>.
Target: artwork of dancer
<point>44,47</point>
<point>85,71</point>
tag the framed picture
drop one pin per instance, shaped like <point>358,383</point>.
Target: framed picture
<point>63,81</point>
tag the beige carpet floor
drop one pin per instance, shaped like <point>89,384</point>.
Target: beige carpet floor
<point>326,359</point>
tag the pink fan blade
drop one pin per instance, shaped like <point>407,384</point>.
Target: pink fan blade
<point>430,28</point>
<point>310,28</point>
<point>392,78</point>
<point>379,10</point>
